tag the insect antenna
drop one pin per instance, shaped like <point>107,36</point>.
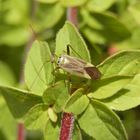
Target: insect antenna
<point>34,33</point>
<point>38,71</point>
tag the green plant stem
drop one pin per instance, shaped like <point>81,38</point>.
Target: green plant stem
<point>67,122</point>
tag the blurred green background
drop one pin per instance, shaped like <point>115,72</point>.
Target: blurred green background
<point>106,25</point>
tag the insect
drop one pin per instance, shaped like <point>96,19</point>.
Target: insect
<point>70,64</point>
<point>78,67</point>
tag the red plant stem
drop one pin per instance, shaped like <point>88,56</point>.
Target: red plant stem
<point>112,49</point>
<point>21,132</point>
<point>66,126</point>
<point>67,122</point>
<point>72,15</point>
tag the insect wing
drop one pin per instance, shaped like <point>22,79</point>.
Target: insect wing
<point>73,63</point>
<point>79,67</point>
<point>93,72</point>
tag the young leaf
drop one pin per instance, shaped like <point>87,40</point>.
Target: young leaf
<point>38,67</point>
<point>99,5</point>
<point>127,98</point>
<point>123,63</point>
<point>19,101</point>
<point>108,87</point>
<point>56,95</point>
<point>69,35</point>
<point>77,103</point>
<point>72,3</point>
<point>101,123</point>
<point>37,117</point>
<point>52,131</point>
<point>52,115</point>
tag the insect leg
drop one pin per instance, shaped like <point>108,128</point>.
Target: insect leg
<point>69,75</point>
<point>55,69</point>
<point>69,82</point>
<point>68,49</point>
<point>69,46</point>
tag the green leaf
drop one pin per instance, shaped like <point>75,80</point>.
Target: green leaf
<point>76,135</point>
<point>77,103</point>
<point>113,30</point>
<point>93,36</point>
<point>16,13</point>
<point>86,136</point>
<point>127,98</point>
<point>128,17</point>
<point>108,87</point>
<point>89,28</point>
<point>134,40</point>
<point>56,95</point>
<point>7,122</point>
<point>69,35</point>
<point>100,122</point>
<point>135,11</point>
<point>38,68</point>
<point>99,5</point>
<point>130,43</point>
<point>72,3</point>
<point>19,101</point>
<point>52,131</point>
<point>123,63</point>
<point>9,37</point>
<point>52,10</point>
<point>90,20</point>
<point>106,25</point>
<point>37,117</point>
<point>48,1</point>
<point>6,75</point>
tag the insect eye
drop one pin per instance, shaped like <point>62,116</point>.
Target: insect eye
<point>58,60</point>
